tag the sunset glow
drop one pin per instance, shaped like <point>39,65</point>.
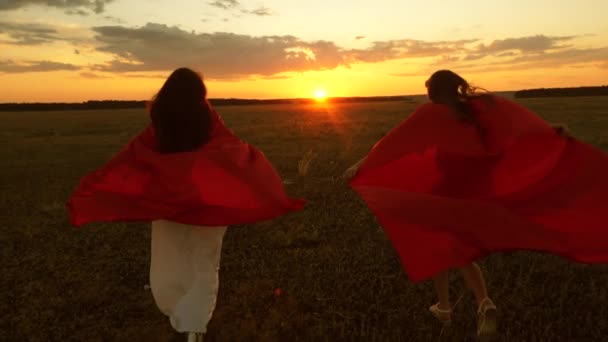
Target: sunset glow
<point>117,49</point>
<point>320,94</point>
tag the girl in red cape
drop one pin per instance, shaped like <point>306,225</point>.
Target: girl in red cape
<point>471,174</point>
<point>189,175</point>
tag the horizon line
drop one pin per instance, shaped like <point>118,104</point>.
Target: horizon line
<point>299,98</point>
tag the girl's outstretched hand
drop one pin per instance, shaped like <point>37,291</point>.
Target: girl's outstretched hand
<point>352,171</point>
<point>562,130</point>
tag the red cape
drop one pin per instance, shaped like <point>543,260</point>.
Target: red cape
<point>225,182</point>
<point>447,195</point>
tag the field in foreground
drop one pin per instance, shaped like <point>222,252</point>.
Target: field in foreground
<point>340,278</point>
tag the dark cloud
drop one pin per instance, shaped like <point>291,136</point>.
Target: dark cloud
<point>225,4</point>
<point>523,53</point>
<point>531,44</point>
<point>8,66</point>
<point>561,57</point>
<point>261,11</point>
<point>28,34</point>
<point>97,6</point>
<point>547,59</point>
<point>515,54</point>
<point>79,12</point>
<point>156,47</point>
<point>359,37</point>
<point>220,55</point>
<point>394,49</point>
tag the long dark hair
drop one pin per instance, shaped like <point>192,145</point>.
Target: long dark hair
<point>180,113</point>
<point>448,88</point>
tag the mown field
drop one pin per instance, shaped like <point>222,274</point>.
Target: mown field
<point>341,279</point>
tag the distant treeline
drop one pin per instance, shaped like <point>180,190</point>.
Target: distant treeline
<point>563,92</point>
<point>113,104</point>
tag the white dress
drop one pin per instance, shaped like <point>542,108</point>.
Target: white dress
<point>184,270</point>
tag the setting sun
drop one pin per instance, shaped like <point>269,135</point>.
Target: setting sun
<point>320,94</point>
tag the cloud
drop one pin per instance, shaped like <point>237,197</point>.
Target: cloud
<point>79,12</point>
<point>161,48</point>
<point>450,59</point>
<point>507,54</point>
<point>8,66</point>
<point>157,47</point>
<point>404,48</point>
<point>359,37</point>
<point>562,57</point>
<point>474,56</point>
<point>546,59</point>
<point>261,11</point>
<point>34,34</point>
<point>225,4</point>
<point>156,76</point>
<point>97,6</point>
<point>114,19</point>
<point>531,44</point>
<point>28,34</point>
<point>220,55</point>
<point>523,53</point>
<point>91,75</point>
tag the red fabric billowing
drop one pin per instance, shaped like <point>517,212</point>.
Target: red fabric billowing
<point>225,182</point>
<point>448,193</point>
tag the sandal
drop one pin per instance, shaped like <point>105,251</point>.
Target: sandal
<point>444,316</point>
<point>486,320</point>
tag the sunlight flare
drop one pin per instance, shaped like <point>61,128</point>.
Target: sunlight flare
<point>320,94</point>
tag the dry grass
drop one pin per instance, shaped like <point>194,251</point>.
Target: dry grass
<point>340,278</point>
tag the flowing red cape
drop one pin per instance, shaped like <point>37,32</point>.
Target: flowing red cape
<point>225,182</point>
<point>448,193</point>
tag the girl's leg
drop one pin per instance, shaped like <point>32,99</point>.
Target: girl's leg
<point>475,281</point>
<point>486,312</point>
<point>194,337</point>
<point>442,310</point>
<point>442,287</point>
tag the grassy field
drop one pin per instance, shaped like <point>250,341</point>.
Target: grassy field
<point>340,277</point>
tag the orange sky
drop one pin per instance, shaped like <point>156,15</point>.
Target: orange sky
<point>275,49</point>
